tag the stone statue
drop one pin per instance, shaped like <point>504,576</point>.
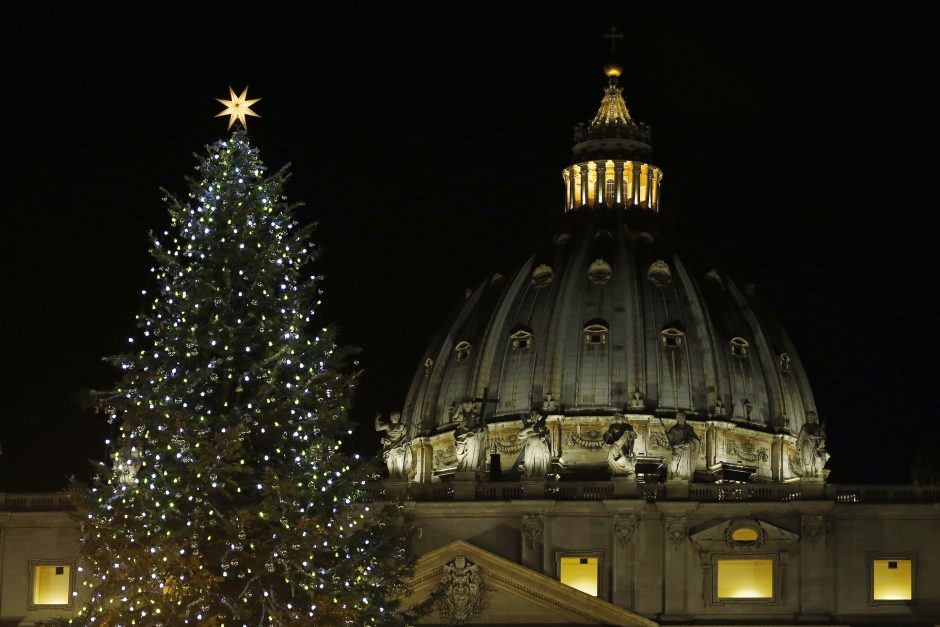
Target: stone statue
<point>637,401</point>
<point>811,447</point>
<point>683,449</point>
<point>535,455</point>
<point>396,450</point>
<point>469,437</point>
<point>619,439</point>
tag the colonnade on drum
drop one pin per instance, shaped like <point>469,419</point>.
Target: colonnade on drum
<point>610,182</point>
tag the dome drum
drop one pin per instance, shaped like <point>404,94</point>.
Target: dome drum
<point>612,183</point>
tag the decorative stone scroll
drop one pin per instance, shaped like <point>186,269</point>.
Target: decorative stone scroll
<point>625,525</point>
<point>462,592</point>
<point>677,528</point>
<point>532,525</point>
<point>813,527</point>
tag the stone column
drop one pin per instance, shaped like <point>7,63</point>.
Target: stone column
<point>649,186</point>
<point>678,556</point>
<point>584,184</point>
<point>424,459</point>
<point>600,181</point>
<point>814,576</point>
<point>624,527</point>
<point>618,182</point>
<point>569,189</point>
<point>635,192</point>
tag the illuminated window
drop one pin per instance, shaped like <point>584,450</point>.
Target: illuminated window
<point>610,189</point>
<point>739,346</point>
<point>892,579</point>
<point>745,534</point>
<point>50,584</point>
<point>745,579</point>
<point>580,572</point>
<point>462,350</point>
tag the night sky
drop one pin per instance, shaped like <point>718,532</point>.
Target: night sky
<point>797,145</point>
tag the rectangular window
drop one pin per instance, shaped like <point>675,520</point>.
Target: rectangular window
<point>745,579</point>
<point>892,579</point>
<point>51,584</point>
<point>580,572</point>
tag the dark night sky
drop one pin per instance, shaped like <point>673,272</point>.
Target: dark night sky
<point>797,146</point>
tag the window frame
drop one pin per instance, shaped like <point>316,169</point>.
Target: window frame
<point>776,574</point>
<point>870,558</point>
<point>599,554</point>
<point>462,351</point>
<point>32,565</point>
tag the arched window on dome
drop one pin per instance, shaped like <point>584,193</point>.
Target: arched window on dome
<point>595,334</point>
<point>673,338</point>
<point>784,362</point>
<point>462,350</point>
<point>739,346</point>
<point>521,340</point>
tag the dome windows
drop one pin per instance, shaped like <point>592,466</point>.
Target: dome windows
<point>595,334</point>
<point>462,350</point>
<point>672,338</point>
<point>659,273</point>
<point>783,360</point>
<point>542,275</point>
<point>521,340</point>
<point>739,346</point>
<point>599,272</point>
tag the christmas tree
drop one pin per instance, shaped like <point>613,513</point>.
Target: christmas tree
<point>228,499</point>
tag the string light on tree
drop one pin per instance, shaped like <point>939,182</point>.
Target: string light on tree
<point>228,500</point>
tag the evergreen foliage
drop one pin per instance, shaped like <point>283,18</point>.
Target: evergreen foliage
<point>228,500</point>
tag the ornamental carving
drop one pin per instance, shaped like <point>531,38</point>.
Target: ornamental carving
<point>659,273</point>
<point>589,439</point>
<point>625,525</point>
<point>532,525</point>
<point>657,439</point>
<point>445,457</point>
<point>677,527</point>
<point>599,272</point>
<point>550,405</point>
<point>462,591</point>
<point>746,450</point>
<point>503,447</point>
<point>814,527</point>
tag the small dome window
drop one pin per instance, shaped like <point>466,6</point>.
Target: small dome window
<point>595,334</point>
<point>739,346</point>
<point>745,535</point>
<point>521,340</point>
<point>542,275</point>
<point>673,338</point>
<point>462,350</point>
<point>659,273</point>
<point>784,361</point>
<point>599,272</point>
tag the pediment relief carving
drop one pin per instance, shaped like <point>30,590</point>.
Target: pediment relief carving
<point>742,534</point>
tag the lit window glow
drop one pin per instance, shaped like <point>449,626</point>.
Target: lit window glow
<point>746,579</point>
<point>580,573</point>
<point>744,534</point>
<point>891,580</point>
<point>51,584</point>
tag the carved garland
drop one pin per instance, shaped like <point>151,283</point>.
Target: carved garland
<point>502,447</point>
<point>747,451</point>
<point>589,442</point>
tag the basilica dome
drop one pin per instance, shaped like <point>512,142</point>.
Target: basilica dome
<point>613,320</point>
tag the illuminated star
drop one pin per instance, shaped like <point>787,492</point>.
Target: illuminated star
<point>238,107</point>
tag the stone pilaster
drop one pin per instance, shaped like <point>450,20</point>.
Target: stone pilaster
<point>815,532</point>
<point>624,528</point>
<point>424,459</point>
<point>533,541</point>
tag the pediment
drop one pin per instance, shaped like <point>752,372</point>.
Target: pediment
<point>474,586</point>
<point>715,534</point>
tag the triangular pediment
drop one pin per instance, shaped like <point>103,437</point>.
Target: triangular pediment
<point>719,533</point>
<point>476,587</point>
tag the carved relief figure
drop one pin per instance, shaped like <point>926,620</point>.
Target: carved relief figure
<point>463,591</point>
<point>536,455</point>
<point>469,437</point>
<point>811,448</point>
<point>619,439</point>
<point>637,401</point>
<point>683,449</point>
<point>396,450</point>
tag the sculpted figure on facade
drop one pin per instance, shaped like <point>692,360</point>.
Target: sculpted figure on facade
<point>619,439</point>
<point>811,448</point>
<point>536,453</point>
<point>684,445</point>
<point>396,450</point>
<point>469,436</point>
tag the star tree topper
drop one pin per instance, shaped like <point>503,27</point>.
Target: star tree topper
<point>238,107</point>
